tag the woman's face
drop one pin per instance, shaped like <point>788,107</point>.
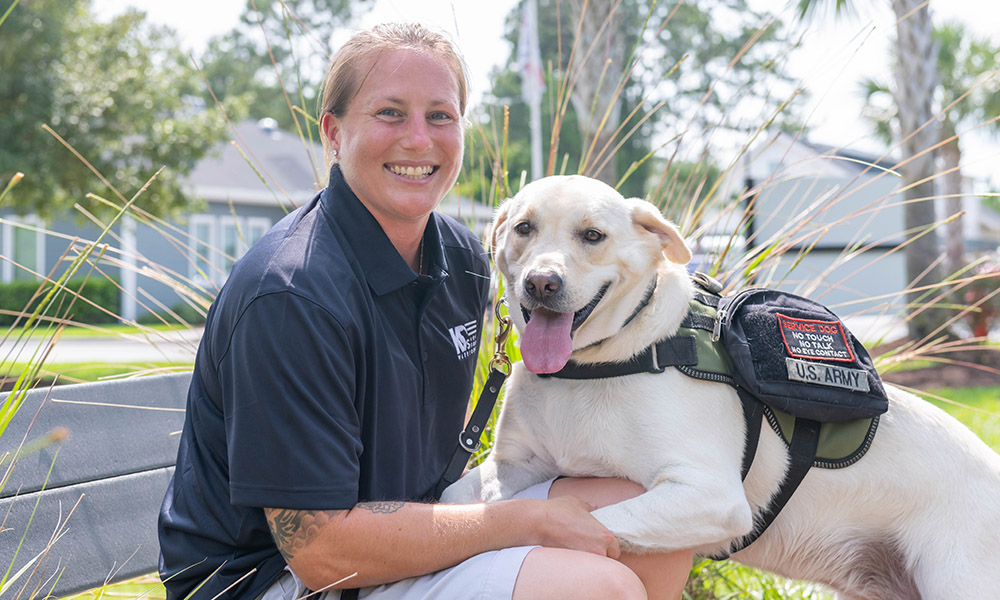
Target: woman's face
<point>400,140</point>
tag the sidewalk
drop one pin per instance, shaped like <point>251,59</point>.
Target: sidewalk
<point>177,347</point>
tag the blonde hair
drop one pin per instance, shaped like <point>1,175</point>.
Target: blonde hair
<point>352,63</point>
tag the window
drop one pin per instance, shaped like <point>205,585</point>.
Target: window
<point>203,246</point>
<point>218,241</point>
<point>23,246</point>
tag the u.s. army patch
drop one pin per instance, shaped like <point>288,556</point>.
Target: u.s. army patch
<point>828,375</point>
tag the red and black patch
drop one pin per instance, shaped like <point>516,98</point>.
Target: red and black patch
<point>814,339</point>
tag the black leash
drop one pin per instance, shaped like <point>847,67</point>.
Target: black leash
<point>470,438</point>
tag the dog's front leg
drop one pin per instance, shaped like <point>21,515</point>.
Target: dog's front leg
<point>679,512</point>
<point>497,479</point>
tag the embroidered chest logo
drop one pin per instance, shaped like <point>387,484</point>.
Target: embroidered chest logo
<point>466,339</point>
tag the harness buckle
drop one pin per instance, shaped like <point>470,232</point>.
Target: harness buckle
<point>707,282</point>
<point>656,368</point>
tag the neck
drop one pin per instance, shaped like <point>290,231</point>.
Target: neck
<point>408,242</point>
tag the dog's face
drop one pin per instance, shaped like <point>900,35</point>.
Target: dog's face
<point>577,258</point>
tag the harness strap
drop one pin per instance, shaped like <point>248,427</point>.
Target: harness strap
<point>801,454</point>
<point>753,416</point>
<point>669,352</point>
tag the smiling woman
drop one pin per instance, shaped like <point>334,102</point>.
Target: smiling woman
<point>335,370</point>
<point>399,141</point>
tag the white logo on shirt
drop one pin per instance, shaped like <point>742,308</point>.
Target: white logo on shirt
<point>466,339</point>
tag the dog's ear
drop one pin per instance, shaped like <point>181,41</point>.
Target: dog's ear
<point>498,228</point>
<point>646,217</point>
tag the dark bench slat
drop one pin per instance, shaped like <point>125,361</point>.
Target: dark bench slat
<point>105,441</point>
<point>115,522</point>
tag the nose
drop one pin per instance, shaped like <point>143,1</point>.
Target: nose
<point>542,285</point>
<point>417,135</point>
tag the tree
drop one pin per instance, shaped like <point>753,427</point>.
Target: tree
<point>638,45</point>
<point>279,47</point>
<point>967,94</point>
<point>119,93</point>
<point>916,77</point>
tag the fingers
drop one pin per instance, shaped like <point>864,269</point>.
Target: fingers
<point>569,524</point>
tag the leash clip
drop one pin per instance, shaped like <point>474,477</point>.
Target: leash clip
<point>500,360</point>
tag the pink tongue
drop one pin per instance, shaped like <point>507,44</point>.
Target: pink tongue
<point>546,343</point>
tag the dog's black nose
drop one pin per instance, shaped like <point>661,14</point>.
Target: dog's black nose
<point>542,285</point>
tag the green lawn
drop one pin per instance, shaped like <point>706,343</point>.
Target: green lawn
<point>977,408</point>
<point>83,372</point>
<point>109,330</point>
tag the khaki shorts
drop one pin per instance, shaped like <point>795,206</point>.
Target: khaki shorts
<point>487,576</point>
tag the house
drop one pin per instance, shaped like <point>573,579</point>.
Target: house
<point>841,214</point>
<point>238,192</point>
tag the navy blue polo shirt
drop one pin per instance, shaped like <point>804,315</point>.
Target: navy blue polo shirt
<point>329,374</point>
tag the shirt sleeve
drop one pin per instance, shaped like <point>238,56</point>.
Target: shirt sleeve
<point>289,380</point>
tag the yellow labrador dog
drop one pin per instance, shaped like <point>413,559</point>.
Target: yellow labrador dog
<point>917,518</point>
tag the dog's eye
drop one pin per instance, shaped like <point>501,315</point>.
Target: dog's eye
<point>523,228</point>
<point>593,236</point>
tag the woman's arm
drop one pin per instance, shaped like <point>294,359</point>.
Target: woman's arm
<point>389,541</point>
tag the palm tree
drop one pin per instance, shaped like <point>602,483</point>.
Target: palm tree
<point>967,93</point>
<point>915,81</point>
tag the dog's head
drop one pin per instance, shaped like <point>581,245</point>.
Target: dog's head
<point>577,258</point>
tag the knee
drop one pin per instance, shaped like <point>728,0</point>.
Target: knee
<point>602,579</point>
<point>554,573</point>
<point>618,581</point>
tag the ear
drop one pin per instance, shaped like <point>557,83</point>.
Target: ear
<point>330,125</point>
<point>646,217</point>
<point>498,229</point>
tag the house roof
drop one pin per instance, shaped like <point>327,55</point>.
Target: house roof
<point>286,168</point>
<point>859,161</point>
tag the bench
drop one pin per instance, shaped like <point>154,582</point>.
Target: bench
<point>94,520</point>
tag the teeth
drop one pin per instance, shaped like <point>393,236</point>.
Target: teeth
<point>411,172</point>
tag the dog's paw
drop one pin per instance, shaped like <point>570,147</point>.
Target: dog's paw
<point>491,491</point>
<point>460,492</point>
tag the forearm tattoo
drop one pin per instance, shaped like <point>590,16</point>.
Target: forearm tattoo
<point>293,530</point>
<point>383,507</point>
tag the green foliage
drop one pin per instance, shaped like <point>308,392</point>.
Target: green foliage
<point>968,85</point>
<point>24,295</point>
<point>119,93</point>
<point>711,580</point>
<point>280,48</point>
<point>673,60</point>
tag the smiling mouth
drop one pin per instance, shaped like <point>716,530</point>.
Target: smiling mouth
<point>415,173</point>
<point>579,316</point>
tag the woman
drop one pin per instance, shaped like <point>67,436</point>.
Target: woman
<point>328,387</point>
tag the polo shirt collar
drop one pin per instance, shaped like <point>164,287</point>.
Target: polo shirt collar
<point>384,268</point>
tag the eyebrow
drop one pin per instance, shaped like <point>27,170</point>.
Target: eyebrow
<point>400,101</point>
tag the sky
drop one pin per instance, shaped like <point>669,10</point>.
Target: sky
<point>836,53</point>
